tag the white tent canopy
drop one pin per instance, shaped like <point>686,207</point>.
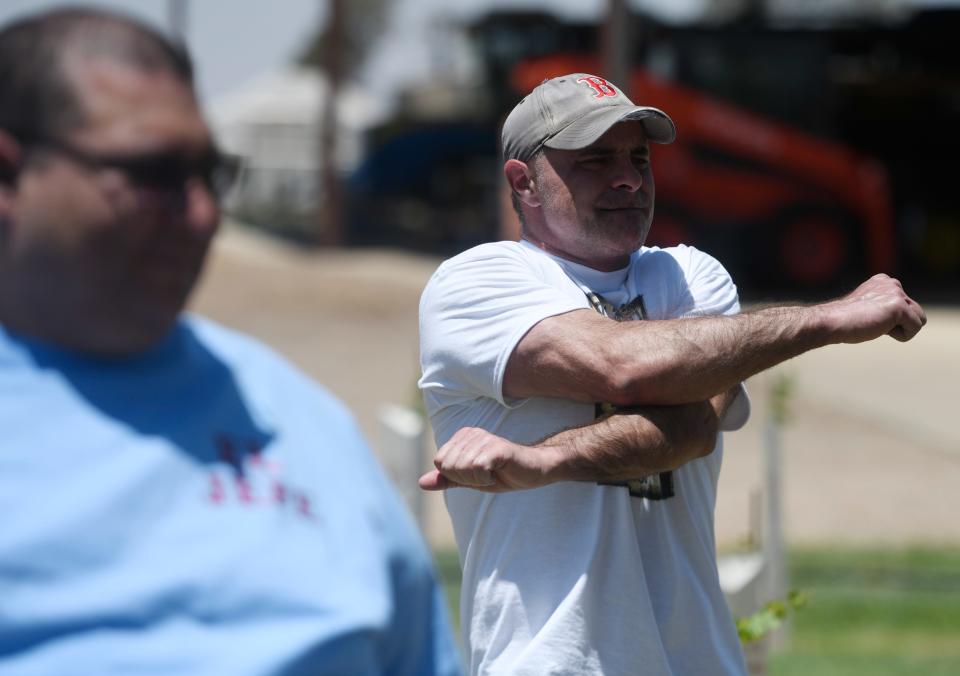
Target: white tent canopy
<point>274,120</point>
<point>274,123</point>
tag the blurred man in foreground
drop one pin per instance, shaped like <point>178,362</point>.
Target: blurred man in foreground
<point>596,373</point>
<point>178,499</point>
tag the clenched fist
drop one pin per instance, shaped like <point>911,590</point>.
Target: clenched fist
<point>877,307</point>
<point>475,458</point>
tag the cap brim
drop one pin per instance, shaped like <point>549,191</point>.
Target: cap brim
<point>657,125</point>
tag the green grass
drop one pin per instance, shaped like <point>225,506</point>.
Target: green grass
<point>876,612</point>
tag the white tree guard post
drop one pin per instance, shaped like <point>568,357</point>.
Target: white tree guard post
<point>774,549</point>
<point>743,580</point>
<point>750,580</point>
<point>402,451</point>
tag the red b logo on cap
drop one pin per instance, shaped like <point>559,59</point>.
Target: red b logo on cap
<point>599,85</point>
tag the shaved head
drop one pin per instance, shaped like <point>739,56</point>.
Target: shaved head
<point>36,92</point>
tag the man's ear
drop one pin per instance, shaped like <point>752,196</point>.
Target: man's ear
<point>522,181</point>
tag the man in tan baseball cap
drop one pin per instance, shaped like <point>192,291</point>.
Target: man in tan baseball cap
<point>577,383</point>
<point>573,111</point>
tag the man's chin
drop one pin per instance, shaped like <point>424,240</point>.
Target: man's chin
<point>129,329</point>
<point>130,340</point>
<point>627,236</point>
<point>636,220</point>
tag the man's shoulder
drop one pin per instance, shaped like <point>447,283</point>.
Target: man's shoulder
<point>691,281</point>
<point>681,260</point>
<point>489,251</point>
<point>493,263</point>
<point>683,254</point>
<point>253,362</point>
<point>227,342</point>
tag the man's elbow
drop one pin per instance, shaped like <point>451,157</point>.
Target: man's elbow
<point>696,434</point>
<point>704,429</point>
<point>638,383</point>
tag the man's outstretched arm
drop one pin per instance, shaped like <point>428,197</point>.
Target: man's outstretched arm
<point>585,357</point>
<point>625,445</point>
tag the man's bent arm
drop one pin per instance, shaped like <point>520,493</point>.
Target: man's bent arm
<point>624,445</point>
<point>586,357</point>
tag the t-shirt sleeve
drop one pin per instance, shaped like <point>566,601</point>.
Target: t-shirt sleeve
<point>709,288</point>
<point>473,313</point>
<point>711,291</point>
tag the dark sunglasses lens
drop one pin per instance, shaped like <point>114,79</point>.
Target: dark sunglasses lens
<point>163,173</point>
<point>170,173</point>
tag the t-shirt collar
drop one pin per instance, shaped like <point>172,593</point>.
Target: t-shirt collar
<point>597,280</point>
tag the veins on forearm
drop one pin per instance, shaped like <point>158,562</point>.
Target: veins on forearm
<point>692,359</point>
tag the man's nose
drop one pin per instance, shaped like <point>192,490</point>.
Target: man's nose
<point>627,176</point>
<point>201,207</point>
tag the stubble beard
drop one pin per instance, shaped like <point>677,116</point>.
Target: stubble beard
<point>617,236</point>
<point>623,237</point>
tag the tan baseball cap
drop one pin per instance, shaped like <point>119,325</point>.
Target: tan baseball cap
<point>571,112</point>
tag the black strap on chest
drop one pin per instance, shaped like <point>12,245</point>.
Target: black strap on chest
<point>655,486</point>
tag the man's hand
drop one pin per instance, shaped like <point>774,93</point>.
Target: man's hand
<point>877,307</point>
<point>475,458</point>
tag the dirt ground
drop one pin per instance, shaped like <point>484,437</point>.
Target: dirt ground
<point>871,453</point>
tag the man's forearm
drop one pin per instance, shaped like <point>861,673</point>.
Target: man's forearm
<point>626,445</point>
<point>683,360</point>
<point>585,357</point>
<point>633,443</point>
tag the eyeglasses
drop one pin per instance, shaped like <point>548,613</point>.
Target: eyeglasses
<point>166,171</point>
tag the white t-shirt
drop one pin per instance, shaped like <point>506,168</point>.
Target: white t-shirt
<point>574,577</point>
